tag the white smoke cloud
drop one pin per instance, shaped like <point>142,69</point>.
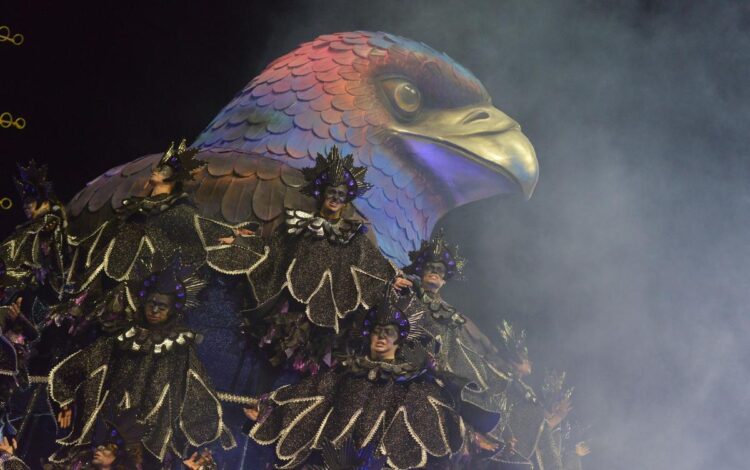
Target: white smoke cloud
<point>629,266</point>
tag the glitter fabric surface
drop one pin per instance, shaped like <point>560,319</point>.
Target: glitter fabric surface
<point>152,371</point>
<point>398,406</point>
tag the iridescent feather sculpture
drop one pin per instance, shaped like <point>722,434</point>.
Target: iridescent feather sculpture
<point>423,126</point>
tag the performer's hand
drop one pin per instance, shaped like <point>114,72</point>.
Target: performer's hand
<point>484,443</point>
<point>401,283</point>
<point>510,444</point>
<point>196,462</point>
<point>15,308</point>
<point>243,232</point>
<point>65,417</point>
<point>226,240</point>
<point>582,449</point>
<point>192,461</point>
<point>9,447</point>
<point>251,413</point>
<point>559,413</point>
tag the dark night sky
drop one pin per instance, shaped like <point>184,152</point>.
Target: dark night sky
<point>628,266</point>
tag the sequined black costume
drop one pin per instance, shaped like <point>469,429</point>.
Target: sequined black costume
<point>34,259</point>
<point>10,462</point>
<point>330,268</point>
<point>462,348</point>
<point>149,231</point>
<point>150,369</point>
<point>460,352</point>
<point>398,405</point>
<point>35,256</point>
<point>534,444</point>
<point>319,270</point>
<point>401,407</point>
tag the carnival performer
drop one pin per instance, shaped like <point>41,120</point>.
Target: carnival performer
<point>148,231</point>
<point>149,367</point>
<point>386,395</point>
<point>528,430</point>
<point>321,268</point>
<point>566,437</point>
<point>463,349</point>
<point>35,256</point>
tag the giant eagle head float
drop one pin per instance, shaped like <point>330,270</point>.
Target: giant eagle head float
<point>422,124</point>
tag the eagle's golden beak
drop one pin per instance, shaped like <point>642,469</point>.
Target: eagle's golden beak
<point>483,135</point>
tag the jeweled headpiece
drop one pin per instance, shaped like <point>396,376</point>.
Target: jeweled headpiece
<point>513,342</point>
<point>395,309</point>
<point>182,162</point>
<point>333,169</point>
<point>175,280</point>
<point>32,183</point>
<point>436,250</point>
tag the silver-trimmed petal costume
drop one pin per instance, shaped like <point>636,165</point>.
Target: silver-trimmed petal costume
<point>156,373</point>
<point>332,268</point>
<point>400,408</point>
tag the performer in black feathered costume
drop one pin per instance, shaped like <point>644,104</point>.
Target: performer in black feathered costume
<point>148,231</point>
<point>34,259</point>
<point>386,395</point>
<point>149,367</point>
<point>321,268</point>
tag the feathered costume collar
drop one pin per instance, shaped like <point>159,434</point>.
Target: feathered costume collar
<point>155,340</point>
<point>398,370</point>
<point>306,223</point>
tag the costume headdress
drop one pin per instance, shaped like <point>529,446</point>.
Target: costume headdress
<point>333,169</point>
<point>175,280</point>
<point>32,183</point>
<point>182,161</point>
<point>395,309</point>
<point>513,342</point>
<point>436,250</point>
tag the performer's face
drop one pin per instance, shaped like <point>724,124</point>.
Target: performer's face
<point>161,174</point>
<point>334,201</point>
<point>523,368</point>
<point>34,209</point>
<point>158,308</point>
<point>383,342</point>
<point>433,277</point>
<point>103,456</point>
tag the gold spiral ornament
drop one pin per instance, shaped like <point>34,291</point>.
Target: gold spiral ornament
<point>6,36</point>
<point>7,120</point>
<point>6,203</point>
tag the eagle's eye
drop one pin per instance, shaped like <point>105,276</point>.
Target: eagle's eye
<point>404,96</point>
